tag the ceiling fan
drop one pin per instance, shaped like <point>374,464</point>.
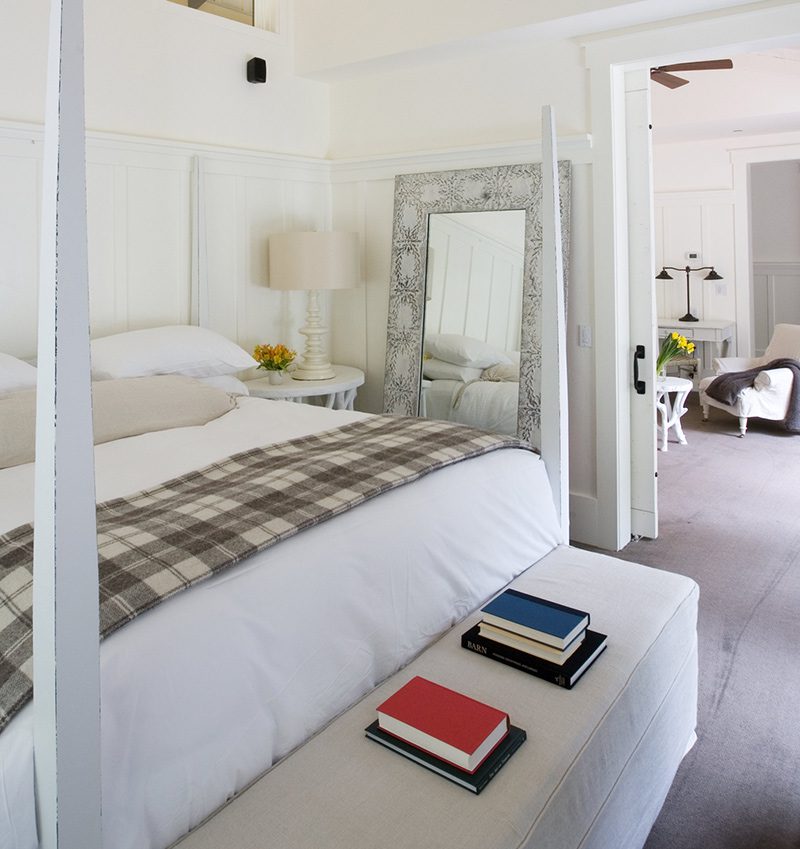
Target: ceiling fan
<point>662,74</point>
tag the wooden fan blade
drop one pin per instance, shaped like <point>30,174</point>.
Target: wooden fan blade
<point>708,65</point>
<point>668,80</point>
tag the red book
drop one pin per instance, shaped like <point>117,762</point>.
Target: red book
<point>447,724</point>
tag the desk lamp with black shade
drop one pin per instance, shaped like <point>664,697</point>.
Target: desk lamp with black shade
<point>712,275</point>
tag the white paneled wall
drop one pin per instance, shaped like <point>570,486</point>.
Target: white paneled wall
<point>139,237</point>
<point>148,203</point>
<point>776,299</point>
<point>700,222</point>
<point>244,199</point>
<point>20,193</point>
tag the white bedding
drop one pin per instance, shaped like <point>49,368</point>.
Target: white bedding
<point>487,404</point>
<point>204,692</point>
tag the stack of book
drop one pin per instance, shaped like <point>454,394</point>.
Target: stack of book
<point>447,732</point>
<point>539,636</point>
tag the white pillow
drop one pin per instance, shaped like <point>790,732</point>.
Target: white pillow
<point>507,372</point>
<point>435,369</point>
<point>15,374</point>
<point>226,382</point>
<point>187,350</point>
<point>120,408</point>
<point>464,350</point>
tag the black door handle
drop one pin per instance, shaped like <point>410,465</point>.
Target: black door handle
<point>638,385</point>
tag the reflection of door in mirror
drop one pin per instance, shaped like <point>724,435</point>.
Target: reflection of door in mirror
<point>473,311</point>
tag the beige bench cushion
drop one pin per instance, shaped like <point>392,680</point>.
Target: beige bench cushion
<point>633,712</point>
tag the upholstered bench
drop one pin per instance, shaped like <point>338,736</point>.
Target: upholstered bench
<point>593,772</point>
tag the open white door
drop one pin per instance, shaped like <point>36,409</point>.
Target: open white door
<point>642,304</point>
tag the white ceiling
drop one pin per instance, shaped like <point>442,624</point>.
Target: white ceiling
<point>759,96</point>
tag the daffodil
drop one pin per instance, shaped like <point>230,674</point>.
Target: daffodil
<point>673,347</point>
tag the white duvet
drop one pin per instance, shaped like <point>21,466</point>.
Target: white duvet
<point>206,691</point>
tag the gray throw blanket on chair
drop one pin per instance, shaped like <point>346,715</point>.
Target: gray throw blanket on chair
<point>729,386</point>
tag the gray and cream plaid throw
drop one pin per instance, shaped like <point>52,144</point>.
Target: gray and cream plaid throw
<point>158,542</point>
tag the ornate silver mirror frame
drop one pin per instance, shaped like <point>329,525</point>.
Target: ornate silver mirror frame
<point>416,197</point>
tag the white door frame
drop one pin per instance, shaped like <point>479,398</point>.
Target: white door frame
<point>740,31</point>
<point>642,302</point>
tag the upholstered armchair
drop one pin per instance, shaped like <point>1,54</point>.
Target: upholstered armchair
<point>768,398</point>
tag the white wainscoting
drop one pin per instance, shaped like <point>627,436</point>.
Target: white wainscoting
<point>776,299</point>
<point>242,200</point>
<point>702,222</point>
<point>20,213</point>
<point>164,218</point>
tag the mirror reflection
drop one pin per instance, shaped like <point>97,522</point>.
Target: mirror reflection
<point>473,312</point>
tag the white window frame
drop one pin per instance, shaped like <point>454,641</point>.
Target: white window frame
<point>270,16</point>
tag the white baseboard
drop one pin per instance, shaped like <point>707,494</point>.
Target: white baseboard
<point>583,523</point>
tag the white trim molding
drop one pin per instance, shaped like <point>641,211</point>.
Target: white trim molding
<point>576,148</point>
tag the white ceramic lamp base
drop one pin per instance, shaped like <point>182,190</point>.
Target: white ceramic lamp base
<point>315,364</point>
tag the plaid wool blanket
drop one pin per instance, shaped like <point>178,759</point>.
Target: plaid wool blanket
<point>156,543</point>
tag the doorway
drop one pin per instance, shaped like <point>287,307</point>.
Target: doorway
<point>608,60</point>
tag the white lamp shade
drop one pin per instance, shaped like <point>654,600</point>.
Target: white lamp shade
<point>313,260</point>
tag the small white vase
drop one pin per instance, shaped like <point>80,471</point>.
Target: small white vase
<point>275,377</point>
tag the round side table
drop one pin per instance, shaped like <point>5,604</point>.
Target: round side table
<point>339,391</point>
<point>671,411</point>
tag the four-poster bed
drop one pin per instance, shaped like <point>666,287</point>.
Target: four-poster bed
<point>205,691</point>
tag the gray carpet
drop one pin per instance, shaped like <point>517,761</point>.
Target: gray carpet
<point>730,519</point>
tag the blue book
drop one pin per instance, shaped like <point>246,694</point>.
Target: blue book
<point>536,618</point>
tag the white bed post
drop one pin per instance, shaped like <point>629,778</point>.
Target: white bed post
<point>555,414</point>
<point>65,590</point>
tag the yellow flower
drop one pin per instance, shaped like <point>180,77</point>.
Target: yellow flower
<point>672,347</point>
<point>273,357</point>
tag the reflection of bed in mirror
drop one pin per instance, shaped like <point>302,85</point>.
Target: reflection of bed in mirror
<point>473,297</point>
<point>483,404</point>
<point>484,395</point>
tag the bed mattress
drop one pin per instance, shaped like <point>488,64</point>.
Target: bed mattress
<point>593,772</point>
<point>203,693</point>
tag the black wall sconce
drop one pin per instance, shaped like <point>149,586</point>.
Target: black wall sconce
<point>257,70</point>
<point>712,275</point>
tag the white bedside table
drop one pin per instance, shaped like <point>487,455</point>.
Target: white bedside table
<point>671,412</point>
<point>340,390</point>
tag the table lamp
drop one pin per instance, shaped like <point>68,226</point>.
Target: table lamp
<point>313,261</point>
<point>712,275</point>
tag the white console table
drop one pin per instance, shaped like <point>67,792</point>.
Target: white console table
<point>717,332</point>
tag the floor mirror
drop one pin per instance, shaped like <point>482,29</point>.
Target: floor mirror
<point>464,325</point>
